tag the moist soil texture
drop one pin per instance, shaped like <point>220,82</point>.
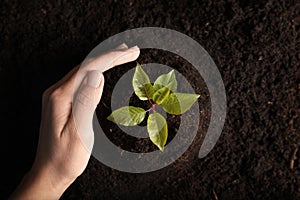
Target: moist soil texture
<point>255,45</point>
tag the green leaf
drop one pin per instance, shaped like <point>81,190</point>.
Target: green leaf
<point>127,115</point>
<point>141,84</point>
<point>148,90</point>
<point>178,103</point>
<point>166,80</point>
<point>160,95</point>
<point>158,130</point>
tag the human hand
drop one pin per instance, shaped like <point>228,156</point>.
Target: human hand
<point>66,132</point>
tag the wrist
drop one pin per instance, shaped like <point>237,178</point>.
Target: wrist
<point>42,183</point>
<point>49,180</point>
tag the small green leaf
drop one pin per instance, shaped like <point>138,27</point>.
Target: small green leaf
<point>178,103</point>
<point>141,84</point>
<point>127,115</point>
<point>166,80</point>
<point>158,130</point>
<point>160,95</point>
<point>148,90</point>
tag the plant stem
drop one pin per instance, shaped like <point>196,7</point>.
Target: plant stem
<point>150,102</point>
<point>153,108</point>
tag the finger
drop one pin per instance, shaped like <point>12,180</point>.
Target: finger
<point>84,105</point>
<point>127,56</point>
<point>70,76</point>
<point>96,79</point>
<point>113,58</point>
<point>71,82</point>
<point>123,46</point>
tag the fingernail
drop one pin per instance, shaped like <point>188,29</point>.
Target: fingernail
<point>122,46</point>
<point>134,47</point>
<point>94,78</point>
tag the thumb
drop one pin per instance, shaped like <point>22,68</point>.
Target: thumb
<point>84,104</point>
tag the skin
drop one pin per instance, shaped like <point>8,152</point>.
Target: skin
<point>65,141</point>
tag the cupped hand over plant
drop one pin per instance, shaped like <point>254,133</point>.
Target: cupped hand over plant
<point>66,137</point>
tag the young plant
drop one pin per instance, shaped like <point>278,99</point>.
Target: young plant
<point>163,93</point>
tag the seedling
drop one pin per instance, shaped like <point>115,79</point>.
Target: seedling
<point>163,93</point>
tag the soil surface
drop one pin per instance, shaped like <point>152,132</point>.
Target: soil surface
<point>255,45</point>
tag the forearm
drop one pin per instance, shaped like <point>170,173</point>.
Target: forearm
<point>40,184</point>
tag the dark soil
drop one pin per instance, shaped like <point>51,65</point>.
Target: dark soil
<point>255,45</point>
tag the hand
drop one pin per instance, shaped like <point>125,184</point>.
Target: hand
<point>66,134</point>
